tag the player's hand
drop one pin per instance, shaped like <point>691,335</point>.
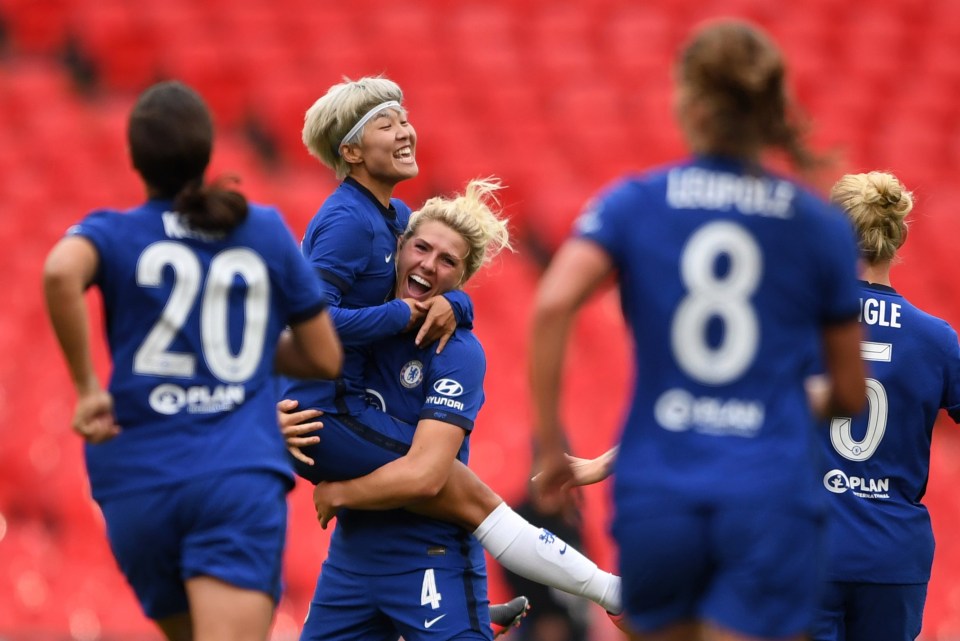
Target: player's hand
<point>293,426</point>
<point>324,499</point>
<point>439,324</point>
<point>416,314</point>
<point>587,471</point>
<point>818,395</point>
<point>554,481</point>
<point>93,417</point>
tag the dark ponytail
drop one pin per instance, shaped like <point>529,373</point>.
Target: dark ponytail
<point>213,207</point>
<point>170,133</point>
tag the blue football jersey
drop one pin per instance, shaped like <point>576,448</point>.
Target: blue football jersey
<point>410,384</point>
<point>351,243</point>
<point>726,278</point>
<point>192,324</point>
<point>877,463</point>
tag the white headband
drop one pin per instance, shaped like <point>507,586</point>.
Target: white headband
<point>365,119</point>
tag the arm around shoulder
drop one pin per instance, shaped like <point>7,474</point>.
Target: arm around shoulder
<point>420,474</point>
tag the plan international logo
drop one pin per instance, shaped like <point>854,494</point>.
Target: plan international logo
<point>838,482</point>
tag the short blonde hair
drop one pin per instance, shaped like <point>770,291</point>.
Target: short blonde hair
<point>878,204</point>
<point>475,215</point>
<point>329,119</point>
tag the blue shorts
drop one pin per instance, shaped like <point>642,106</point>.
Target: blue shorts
<point>751,570</point>
<point>230,526</point>
<point>354,445</point>
<point>426,605</point>
<point>870,612</point>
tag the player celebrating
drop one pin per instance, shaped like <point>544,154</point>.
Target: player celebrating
<point>184,454</point>
<point>731,279</point>
<point>360,130</point>
<point>391,573</point>
<point>877,463</point>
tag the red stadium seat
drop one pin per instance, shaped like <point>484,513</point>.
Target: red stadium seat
<point>636,43</point>
<point>555,98</point>
<point>124,47</point>
<point>38,27</point>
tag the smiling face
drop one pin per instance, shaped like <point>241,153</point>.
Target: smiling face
<point>430,262</point>
<point>387,150</point>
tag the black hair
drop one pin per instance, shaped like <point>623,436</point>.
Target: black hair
<point>170,134</point>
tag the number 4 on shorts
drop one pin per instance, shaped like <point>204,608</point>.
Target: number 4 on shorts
<point>428,592</point>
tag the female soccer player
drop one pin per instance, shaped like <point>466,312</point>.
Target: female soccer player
<point>731,279</point>
<point>876,465</point>
<point>389,572</point>
<point>360,130</point>
<point>184,454</point>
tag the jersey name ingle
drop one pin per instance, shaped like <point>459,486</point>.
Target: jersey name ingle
<point>876,464</point>
<point>880,312</point>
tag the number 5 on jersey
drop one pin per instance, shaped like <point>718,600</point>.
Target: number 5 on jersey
<point>841,432</point>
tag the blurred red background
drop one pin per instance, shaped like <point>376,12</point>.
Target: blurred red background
<point>557,98</point>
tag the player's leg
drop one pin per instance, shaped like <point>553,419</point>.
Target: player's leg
<point>232,554</point>
<point>515,543</point>
<point>352,446</point>
<point>225,612</point>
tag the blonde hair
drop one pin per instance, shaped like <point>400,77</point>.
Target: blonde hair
<point>878,205</point>
<point>475,216</point>
<point>329,119</point>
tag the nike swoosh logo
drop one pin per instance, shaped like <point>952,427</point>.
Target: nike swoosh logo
<point>387,258</point>
<point>428,623</point>
<point>564,550</point>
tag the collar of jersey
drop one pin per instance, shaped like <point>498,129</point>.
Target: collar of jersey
<point>388,212</point>
<point>879,287</point>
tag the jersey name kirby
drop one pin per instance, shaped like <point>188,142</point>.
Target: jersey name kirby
<point>879,312</point>
<point>696,188</point>
<point>174,226</point>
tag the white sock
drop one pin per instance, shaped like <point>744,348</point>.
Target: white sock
<point>540,556</point>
